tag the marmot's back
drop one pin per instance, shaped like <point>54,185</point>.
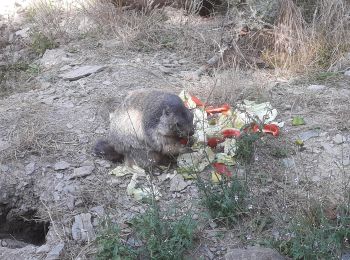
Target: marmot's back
<point>150,120</point>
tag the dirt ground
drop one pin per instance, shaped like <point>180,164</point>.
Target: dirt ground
<point>48,126</point>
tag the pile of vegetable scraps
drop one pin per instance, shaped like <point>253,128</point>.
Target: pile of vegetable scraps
<point>218,129</point>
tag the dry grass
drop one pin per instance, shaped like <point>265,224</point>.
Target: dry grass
<point>309,47</point>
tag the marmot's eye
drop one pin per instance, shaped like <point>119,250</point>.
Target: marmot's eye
<point>167,111</point>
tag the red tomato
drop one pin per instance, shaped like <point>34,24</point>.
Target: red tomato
<point>222,169</point>
<point>213,141</point>
<point>223,108</point>
<point>183,141</point>
<point>197,101</point>
<point>267,129</point>
<point>271,129</point>
<point>230,132</point>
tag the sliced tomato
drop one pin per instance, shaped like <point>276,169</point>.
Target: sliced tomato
<point>230,132</point>
<point>184,141</point>
<point>223,108</point>
<point>222,169</point>
<point>214,141</point>
<point>271,129</point>
<point>267,129</point>
<point>197,101</point>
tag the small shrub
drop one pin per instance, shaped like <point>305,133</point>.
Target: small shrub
<point>245,147</point>
<point>160,237</point>
<point>41,43</point>
<point>164,239</point>
<point>314,236</point>
<point>110,244</point>
<point>225,201</point>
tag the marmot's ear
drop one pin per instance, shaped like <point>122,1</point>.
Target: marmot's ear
<point>166,111</point>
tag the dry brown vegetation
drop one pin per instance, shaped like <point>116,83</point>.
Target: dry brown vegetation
<point>297,42</point>
<point>302,46</point>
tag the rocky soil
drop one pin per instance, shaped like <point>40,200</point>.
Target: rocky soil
<point>53,191</point>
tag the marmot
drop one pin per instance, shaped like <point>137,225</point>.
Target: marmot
<point>147,128</point>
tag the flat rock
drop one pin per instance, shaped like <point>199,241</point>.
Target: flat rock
<point>253,253</point>
<point>82,229</point>
<point>4,145</point>
<point>65,67</point>
<point>81,72</point>
<point>62,165</point>
<point>339,139</point>
<point>42,249</point>
<point>52,57</point>
<point>98,210</point>
<point>309,134</point>
<point>30,168</point>
<point>316,87</point>
<point>22,33</point>
<point>165,70</point>
<point>55,253</point>
<point>81,172</point>
<point>178,183</point>
<point>288,162</point>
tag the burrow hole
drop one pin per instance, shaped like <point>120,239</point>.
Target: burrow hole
<point>19,230</point>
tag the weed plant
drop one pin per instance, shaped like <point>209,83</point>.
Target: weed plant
<point>159,236</point>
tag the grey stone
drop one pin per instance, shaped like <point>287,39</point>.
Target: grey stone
<point>78,203</point>
<point>100,130</point>
<point>4,145</point>
<point>178,183</point>
<point>339,139</point>
<point>82,229</point>
<point>98,210</point>
<point>62,165</point>
<point>253,253</point>
<point>309,134</point>
<point>134,242</point>
<point>209,254</point>
<point>59,187</point>
<point>65,67</point>
<point>42,249</point>
<point>107,82</point>
<point>4,168</point>
<point>316,87</point>
<point>70,203</point>
<point>81,172</point>
<point>165,70</point>
<point>183,61</point>
<point>70,189</point>
<point>103,163</point>
<point>52,57</point>
<point>30,168</point>
<point>288,162</point>
<point>346,161</point>
<point>55,253</point>
<point>81,72</point>
<point>22,33</point>
<point>329,148</point>
<point>347,73</point>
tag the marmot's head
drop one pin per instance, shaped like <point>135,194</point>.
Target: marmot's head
<point>176,119</point>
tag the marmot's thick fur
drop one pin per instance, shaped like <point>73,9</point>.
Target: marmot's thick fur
<point>146,129</point>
